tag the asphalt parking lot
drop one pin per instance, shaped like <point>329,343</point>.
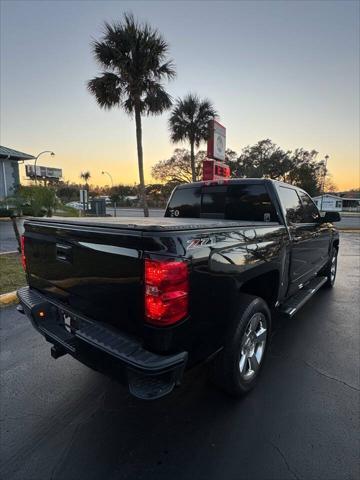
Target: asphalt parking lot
<point>60,420</point>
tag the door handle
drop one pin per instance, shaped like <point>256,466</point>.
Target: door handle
<point>63,253</point>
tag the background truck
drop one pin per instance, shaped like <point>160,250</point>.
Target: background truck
<point>145,299</point>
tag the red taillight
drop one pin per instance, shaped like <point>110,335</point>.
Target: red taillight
<point>23,257</point>
<point>166,291</point>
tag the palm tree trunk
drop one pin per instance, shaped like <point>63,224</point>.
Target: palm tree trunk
<point>192,160</point>
<point>140,160</point>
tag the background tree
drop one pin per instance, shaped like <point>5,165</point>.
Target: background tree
<point>266,160</point>
<point>67,192</point>
<point>134,59</point>
<point>86,177</point>
<point>189,121</point>
<point>177,169</point>
<point>306,172</point>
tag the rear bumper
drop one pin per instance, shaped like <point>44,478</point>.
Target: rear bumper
<point>148,375</point>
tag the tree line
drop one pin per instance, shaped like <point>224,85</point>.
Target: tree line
<point>265,159</point>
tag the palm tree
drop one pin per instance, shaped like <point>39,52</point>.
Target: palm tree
<point>134,59</point>
<point>189,121</point>
<point>86,176</point>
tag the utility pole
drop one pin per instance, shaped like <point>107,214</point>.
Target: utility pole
<point>323,182</point>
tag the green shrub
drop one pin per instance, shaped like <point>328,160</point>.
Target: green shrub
<point>35,201</point>
<point>4,212</point>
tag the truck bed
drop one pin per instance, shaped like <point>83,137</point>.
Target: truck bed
<point>149,224</point>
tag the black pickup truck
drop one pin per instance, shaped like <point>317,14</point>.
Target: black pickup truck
<point>145,299</point>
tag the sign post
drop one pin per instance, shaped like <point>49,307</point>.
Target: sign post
<point>214,166</point>
<point>84,198</point>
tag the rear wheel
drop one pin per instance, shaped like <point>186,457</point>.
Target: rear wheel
<point>237,367</point>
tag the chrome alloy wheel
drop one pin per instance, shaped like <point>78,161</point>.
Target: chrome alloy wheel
<point>333,268</point>
<point>253,346</point>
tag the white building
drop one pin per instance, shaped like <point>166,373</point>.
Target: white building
<point>334,203</point>
<point>329,203</point>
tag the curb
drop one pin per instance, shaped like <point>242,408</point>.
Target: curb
<point>349,230</point>
<point>8,298</point>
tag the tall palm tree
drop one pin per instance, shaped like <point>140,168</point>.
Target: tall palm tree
<point>134,61</point>
<point>189,120</point>
<point>86,176</point>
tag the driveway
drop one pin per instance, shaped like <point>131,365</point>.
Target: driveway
<point>60,420</point>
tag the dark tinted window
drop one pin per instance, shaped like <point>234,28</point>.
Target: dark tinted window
<point>310,212</point>
<point>249,202</point>
<point>291,202</point>
<point>185,203</point>
<point>213,201</point>
<point>232,202</point>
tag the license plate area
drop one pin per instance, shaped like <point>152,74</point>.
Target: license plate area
<point>69,322</point>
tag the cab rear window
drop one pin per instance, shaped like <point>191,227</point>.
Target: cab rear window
<point>231,202</point>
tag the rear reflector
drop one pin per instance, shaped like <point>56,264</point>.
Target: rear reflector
<point>166,291</point>
<point>23,257</point>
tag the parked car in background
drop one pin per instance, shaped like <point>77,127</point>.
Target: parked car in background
<point>77,205</point>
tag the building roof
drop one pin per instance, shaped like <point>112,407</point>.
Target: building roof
<point>9,153</point>
<point>329,195</point>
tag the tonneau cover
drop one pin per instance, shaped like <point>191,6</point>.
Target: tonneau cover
<point>150,224</point>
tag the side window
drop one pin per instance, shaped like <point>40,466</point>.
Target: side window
<point>291,203</point>
<point>185,202</point>
<point>310,212</point>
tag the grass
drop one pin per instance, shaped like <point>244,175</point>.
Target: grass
<point>12,275</point>
<point>65,211</point>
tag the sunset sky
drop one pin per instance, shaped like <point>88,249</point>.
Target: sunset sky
<point>288,71</point>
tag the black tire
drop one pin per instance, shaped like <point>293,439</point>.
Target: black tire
<point>227,365</point>
<point>328,271</point>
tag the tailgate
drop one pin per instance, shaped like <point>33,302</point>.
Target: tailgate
<point>96,271</point>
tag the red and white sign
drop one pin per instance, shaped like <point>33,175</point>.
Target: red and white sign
<point>214,167</point>
<point>215,170</point>
<point>217,141</point>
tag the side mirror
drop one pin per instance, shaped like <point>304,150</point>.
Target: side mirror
<point>331,217</point>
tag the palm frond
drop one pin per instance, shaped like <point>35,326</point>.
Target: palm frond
<point>136,54</point>
<point>189,119</point>
<point>157,100</point>
<point>106,89</point>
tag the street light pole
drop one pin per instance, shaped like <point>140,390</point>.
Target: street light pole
<point>323,182</point>
<point>36,159</point>
<point>112,186</point>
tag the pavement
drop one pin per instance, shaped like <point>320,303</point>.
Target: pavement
<point>62,421</point>
<point>8,241</point>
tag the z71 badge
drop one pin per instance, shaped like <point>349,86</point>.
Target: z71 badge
<point>198,242</point>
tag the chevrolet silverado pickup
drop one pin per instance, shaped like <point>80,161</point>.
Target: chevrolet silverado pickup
<point>144,299</point>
